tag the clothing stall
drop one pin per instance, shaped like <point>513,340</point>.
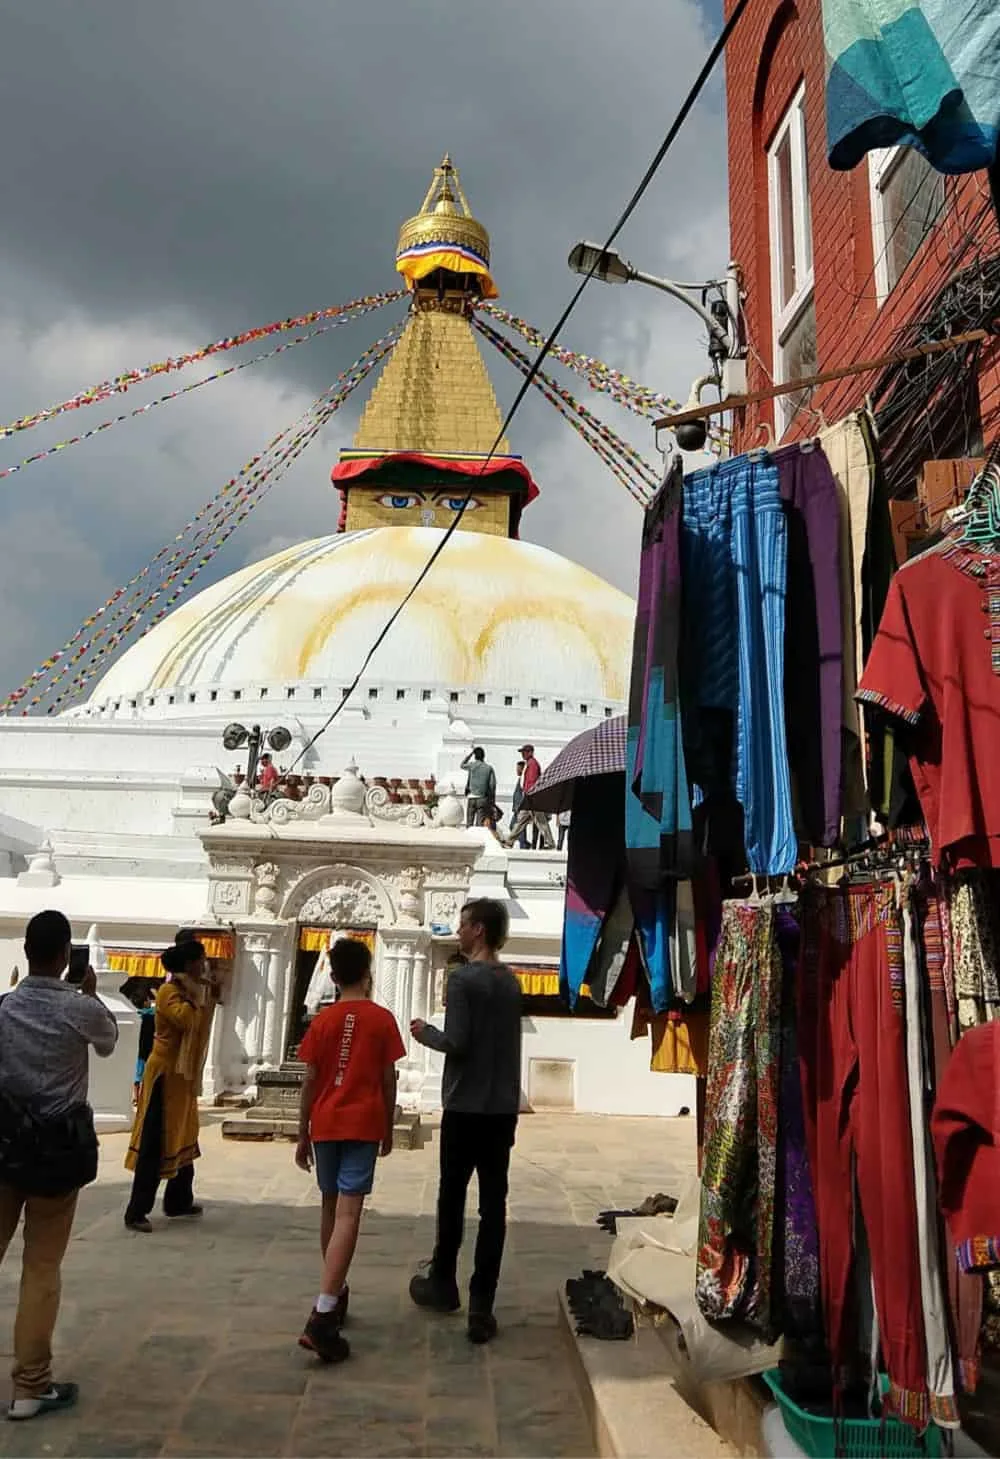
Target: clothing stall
<point>797,875</point>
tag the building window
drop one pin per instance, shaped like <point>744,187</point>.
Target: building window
<point>608,711</point>
<point>289,693</point>
<point>192,698</point>
<point>317,693</point>
<point>583,709</point>
<point>171,698</point>
<point>792,304</point>
<point>213,695</point>
<point>480,698</point>
<point>907,198</point>
<point>400,695</point>
<point>453,697</point>
<point>263,694</point>
<point>508,701</point>
<point>237,694</point>
<point>559,706</point>
<point>425,695</point>
<point>534,704</point>
<point>372,693</point>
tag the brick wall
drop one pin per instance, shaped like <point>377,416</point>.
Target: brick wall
<point>776,46</point>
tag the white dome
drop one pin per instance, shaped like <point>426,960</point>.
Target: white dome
<point>491,614</point>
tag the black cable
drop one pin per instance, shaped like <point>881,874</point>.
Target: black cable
<point>686,106</point>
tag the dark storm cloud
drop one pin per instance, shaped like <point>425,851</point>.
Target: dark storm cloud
<point>177,171</point>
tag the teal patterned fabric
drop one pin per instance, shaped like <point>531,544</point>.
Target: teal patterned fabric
<point>926,75</point>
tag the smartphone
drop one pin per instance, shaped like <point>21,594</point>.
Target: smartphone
<point>79,962</point>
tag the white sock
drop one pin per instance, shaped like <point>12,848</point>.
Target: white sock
<point>325,1303</point>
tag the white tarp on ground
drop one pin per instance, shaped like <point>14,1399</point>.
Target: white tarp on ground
<point>653,1262</point>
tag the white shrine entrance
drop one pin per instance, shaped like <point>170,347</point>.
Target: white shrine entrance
<point>272,877</point>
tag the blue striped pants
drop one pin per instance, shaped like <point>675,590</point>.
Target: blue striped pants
<point>734,552</point>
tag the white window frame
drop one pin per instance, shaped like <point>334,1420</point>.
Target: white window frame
<point>792,127</point>
<point>882,163</point>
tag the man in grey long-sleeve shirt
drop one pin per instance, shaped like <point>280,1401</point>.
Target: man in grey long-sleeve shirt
<point>47,1029</point>
<point>481,1093</point>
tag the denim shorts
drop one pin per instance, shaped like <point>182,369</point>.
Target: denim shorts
<point>345,1167</point>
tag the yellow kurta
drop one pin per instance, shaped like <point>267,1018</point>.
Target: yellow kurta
<point>176,1019</point>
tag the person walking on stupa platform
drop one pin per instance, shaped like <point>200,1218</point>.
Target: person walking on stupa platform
<point>347,1112</point>
<point>164,1143</point>
<point>480,789</point>
<point>267,776</point>
<point>481,1093</point>
<point>47,1029</point>
<point>538,819</point>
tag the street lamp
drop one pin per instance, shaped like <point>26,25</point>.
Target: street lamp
<point>721,318</point>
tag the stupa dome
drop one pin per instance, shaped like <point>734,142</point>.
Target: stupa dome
<point>503,618</point>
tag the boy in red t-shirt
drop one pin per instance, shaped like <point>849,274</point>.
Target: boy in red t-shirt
<point>345,1120</point>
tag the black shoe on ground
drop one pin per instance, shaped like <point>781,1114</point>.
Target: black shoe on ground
<point>482,1327</point>
<point>59,1396</point>
<point>435,1294</point>
<point>342,1304</point>
<point>139,1223</point>
<point>322,1336</point>
<point>190,1214</point>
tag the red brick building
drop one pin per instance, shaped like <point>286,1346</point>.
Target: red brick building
<point>842,267</point>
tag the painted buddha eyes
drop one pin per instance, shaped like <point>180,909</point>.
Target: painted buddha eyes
<point>406,501</point>
<point>399,501</point>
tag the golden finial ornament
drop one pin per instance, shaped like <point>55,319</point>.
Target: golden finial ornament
<point>445,235</point>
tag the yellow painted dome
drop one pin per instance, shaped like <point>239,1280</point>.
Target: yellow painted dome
<point>492,614</point>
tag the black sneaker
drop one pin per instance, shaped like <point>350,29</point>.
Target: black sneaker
<point>434,1293</point>
<point>191,1214</point>
<point>482,1327</point>
<point>322,1336</point>
<point>59,1396</point>
<point>139,1223</point>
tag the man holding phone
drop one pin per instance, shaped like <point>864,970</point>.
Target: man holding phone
<point>47,1029</point>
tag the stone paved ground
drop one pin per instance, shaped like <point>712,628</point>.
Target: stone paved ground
<point>184,1342</point>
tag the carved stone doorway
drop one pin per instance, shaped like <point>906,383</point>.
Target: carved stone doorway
<point>309,945</point>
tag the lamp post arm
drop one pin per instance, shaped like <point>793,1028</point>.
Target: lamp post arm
<point>679,291</point>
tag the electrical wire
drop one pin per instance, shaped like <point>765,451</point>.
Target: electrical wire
<point>697,86</point>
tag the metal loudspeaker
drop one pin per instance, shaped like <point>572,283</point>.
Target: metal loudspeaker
<point>279,738</point>
<point>235,736</point>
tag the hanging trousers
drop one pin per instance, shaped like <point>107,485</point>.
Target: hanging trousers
<point>734,549</point>
<point>940,1372</point>
<point>852,1055</point>
<point>178,1195</point>
<point>736,1229</point>
<point>482,1144</point>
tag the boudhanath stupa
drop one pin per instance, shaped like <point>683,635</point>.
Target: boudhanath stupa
<point>110,811</point>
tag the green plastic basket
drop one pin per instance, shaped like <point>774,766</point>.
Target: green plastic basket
<point>859,1438</point>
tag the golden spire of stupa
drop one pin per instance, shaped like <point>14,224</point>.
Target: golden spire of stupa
<point>434,396</point>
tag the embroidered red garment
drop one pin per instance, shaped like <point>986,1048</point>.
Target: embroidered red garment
<point>932,665</point>
<point>965,1127</point>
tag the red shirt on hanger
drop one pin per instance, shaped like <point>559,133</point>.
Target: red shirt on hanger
<point>935,663</point>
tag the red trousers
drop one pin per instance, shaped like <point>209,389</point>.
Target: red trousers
<point>852,1057</point>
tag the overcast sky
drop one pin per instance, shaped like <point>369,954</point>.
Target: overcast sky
<point>181,170</point>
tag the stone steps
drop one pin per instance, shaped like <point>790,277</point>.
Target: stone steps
<point>275,1116</point>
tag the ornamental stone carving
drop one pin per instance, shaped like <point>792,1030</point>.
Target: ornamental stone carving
<point>444,909</point>
<point>266,890</point>
<point>408,899</point>
<point>350,904</point>
<point>231,897</point>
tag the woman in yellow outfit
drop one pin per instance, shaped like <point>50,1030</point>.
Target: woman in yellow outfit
<point>164,1143</point>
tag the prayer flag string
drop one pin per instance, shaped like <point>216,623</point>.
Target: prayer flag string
<point>120,383</point>
<point>224,512</point>
<point>184,390</point>
<point>627,392</point>
<point>642,480</point>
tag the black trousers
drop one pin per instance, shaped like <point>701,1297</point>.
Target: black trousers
<point>178,1197</point>
<point>481,1144</point>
